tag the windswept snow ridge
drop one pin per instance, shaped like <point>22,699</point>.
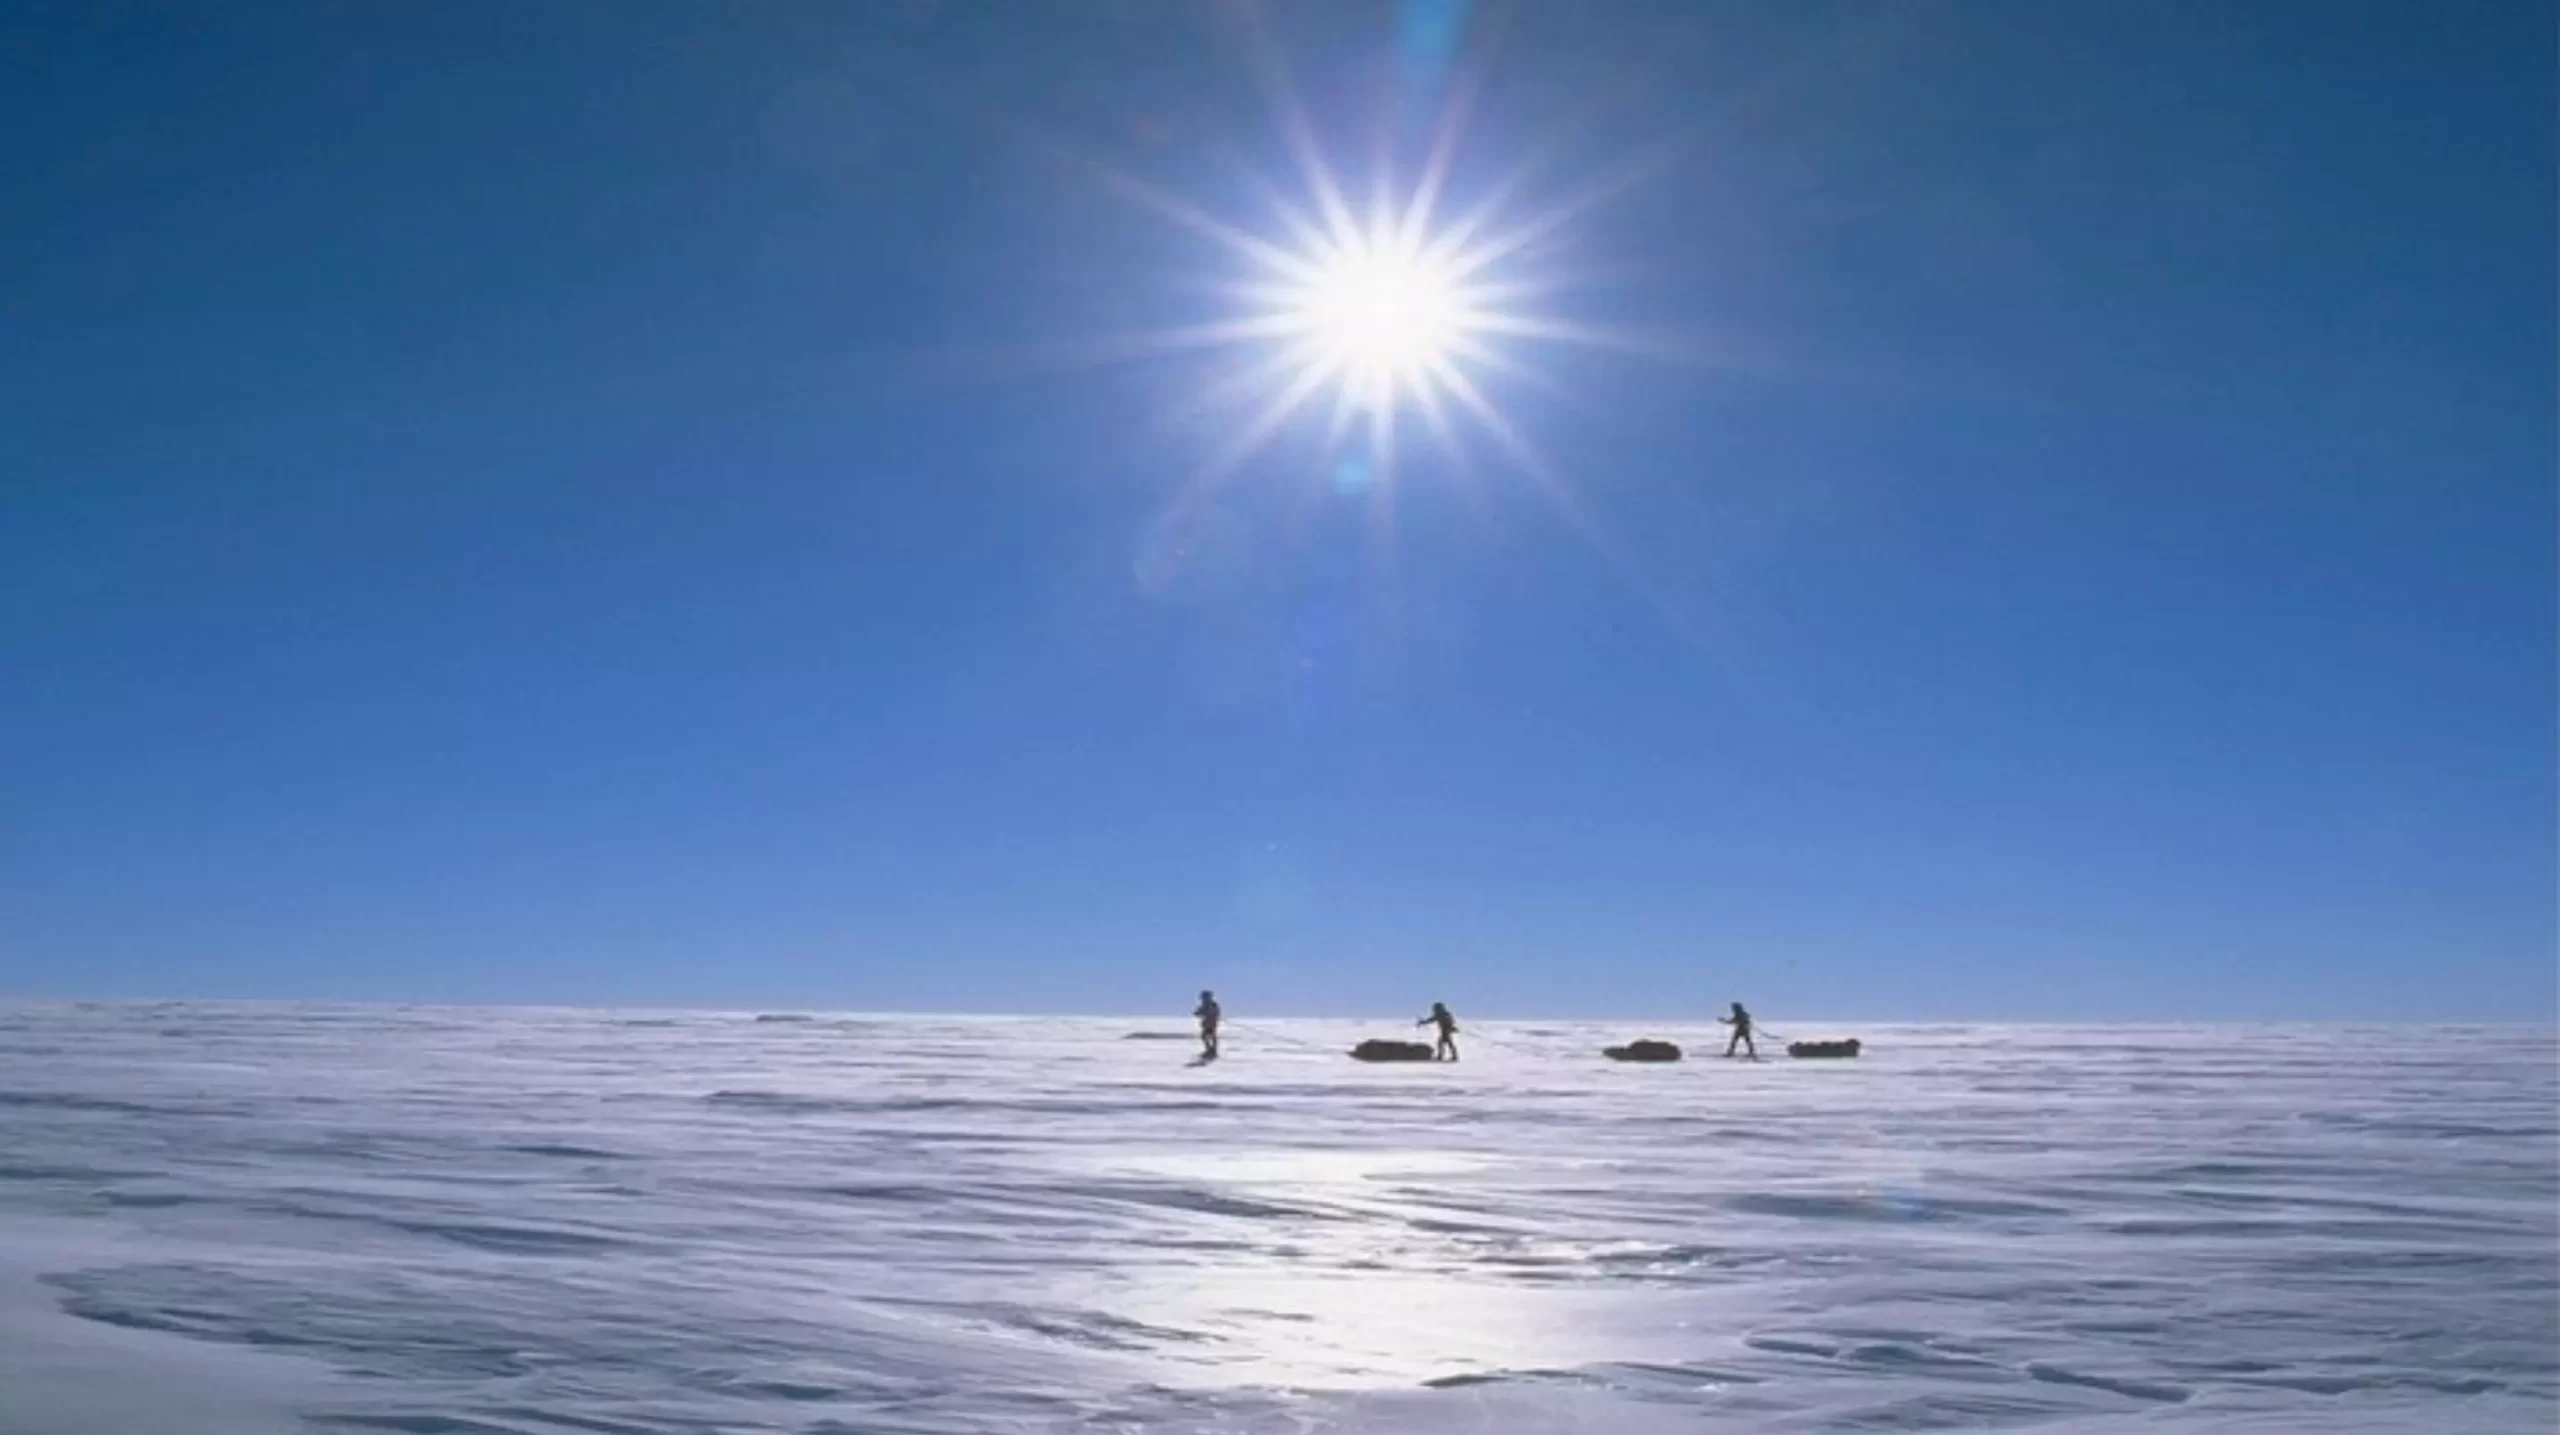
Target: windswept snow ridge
<point>257,1218</point>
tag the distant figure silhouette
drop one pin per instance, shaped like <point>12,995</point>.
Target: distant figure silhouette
<point>1207,1011</point>
<point>1740,1021</point>
<point>1447,1050</point>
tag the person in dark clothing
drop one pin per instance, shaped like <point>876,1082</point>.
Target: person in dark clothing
<point>1447,1049</point>
<point>1208,1013</point>
<point>1740,1021</point>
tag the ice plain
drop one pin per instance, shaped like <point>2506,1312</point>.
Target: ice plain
<point>235,1218</point>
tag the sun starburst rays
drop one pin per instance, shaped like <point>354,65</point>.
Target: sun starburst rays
<point>1417,305</point>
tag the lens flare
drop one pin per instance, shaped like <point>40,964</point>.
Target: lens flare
<point>1412,310</point>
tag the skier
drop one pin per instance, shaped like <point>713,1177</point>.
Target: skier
<point>1447,1050</point>
<point>1208,1013</point>
<point>1740,1021</point>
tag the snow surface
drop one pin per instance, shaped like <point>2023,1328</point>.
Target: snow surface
<point>229,1218</point>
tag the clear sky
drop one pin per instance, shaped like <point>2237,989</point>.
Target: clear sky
<point>2008,509</point>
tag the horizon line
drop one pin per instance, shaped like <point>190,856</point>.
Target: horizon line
<point>19,999</point>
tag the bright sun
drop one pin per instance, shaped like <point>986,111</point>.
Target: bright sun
<point>1399,312</point>
<point>1383,317</point>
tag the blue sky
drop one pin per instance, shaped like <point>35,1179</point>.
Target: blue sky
<point>2042,511</point>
